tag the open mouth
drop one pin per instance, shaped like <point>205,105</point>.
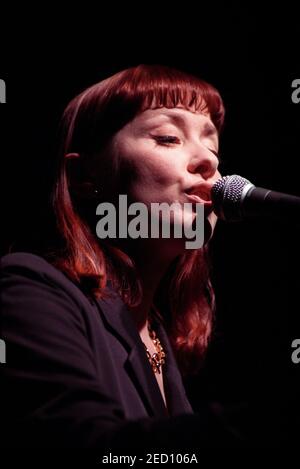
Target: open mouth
<point>196,199</point>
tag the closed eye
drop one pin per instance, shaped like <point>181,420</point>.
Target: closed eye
<point>166,139</point>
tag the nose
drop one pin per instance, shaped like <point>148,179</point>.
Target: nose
<point>203,162</point>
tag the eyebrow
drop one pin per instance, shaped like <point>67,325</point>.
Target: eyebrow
<point>208,129</point>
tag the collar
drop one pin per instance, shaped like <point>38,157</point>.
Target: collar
<point>119,320</point>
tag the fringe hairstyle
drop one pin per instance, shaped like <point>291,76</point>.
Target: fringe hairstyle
<point>186,298</point>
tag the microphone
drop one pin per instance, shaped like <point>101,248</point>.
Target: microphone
<point>235,198</point>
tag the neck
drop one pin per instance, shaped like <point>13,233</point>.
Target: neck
<point>152,260</point>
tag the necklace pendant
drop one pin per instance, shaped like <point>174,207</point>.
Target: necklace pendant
<point>158,358</point>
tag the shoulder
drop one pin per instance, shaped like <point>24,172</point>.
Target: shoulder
<point>28,277</point>
<point>27,264</point>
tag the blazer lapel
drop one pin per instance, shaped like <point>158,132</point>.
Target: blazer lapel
<point>120,321</point>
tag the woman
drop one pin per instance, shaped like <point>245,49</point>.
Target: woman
<point>97,329</point>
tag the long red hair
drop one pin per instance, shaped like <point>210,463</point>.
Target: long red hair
<point>185,299</point>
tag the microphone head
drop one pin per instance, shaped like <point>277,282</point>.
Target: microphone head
<point>227,195</point>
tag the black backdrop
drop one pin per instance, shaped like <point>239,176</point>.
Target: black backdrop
<point>252,59</point>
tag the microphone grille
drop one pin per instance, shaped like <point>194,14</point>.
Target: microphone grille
<point>227,194</point>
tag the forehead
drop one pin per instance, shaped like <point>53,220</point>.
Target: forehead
<point>178,116</point>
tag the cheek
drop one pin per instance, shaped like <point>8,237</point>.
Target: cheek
<point>149,172</point>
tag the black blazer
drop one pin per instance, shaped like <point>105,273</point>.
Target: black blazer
<point>76,372</point>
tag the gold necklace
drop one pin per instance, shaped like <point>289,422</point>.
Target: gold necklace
<point>158,358</point>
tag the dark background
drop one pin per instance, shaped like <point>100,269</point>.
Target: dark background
<point>252,58</point>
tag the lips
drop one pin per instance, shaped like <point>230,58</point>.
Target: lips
<point>196,199</point>
<point>200,194</point>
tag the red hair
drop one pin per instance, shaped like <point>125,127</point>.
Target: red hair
<point>186,300</point>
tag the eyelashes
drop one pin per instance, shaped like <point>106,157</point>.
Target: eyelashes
<point>168,140</point>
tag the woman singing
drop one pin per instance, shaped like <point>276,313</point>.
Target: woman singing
<point>100,330</point>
